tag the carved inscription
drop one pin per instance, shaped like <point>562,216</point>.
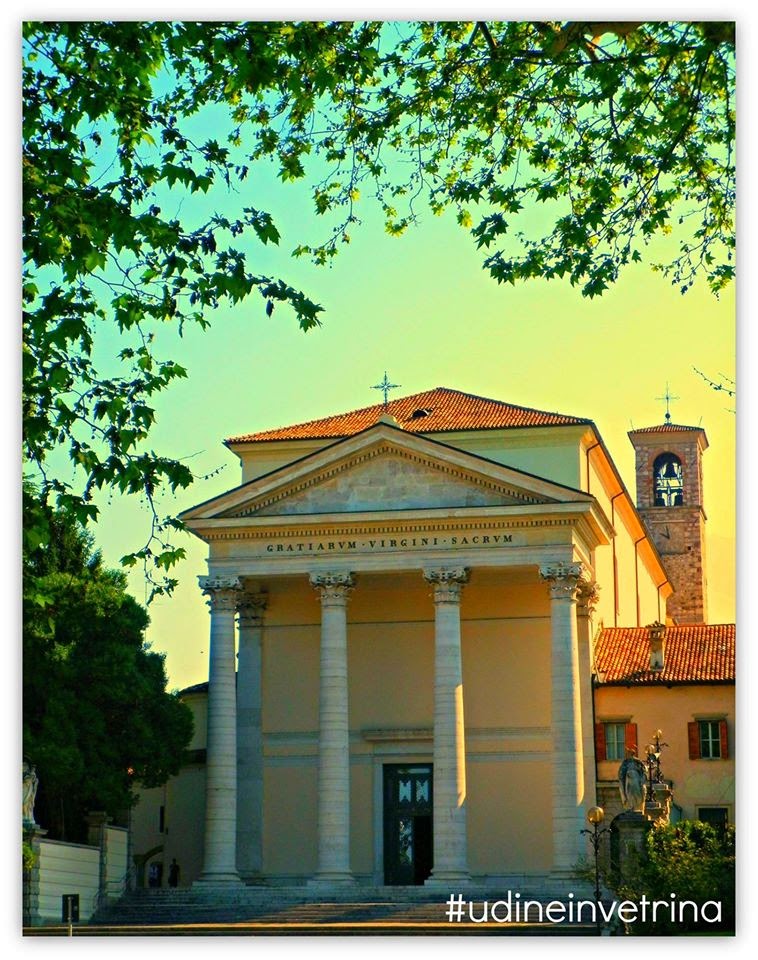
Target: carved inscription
<point>391,543</point>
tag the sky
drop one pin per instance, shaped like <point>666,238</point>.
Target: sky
<point>422,308</point>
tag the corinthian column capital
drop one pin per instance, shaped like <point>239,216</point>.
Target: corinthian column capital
<point>334,588</point>
<point>222,592</point>
<point>250,609</point>
<point>588,594</point>
<point>447,582</point>
<point>562,579</point>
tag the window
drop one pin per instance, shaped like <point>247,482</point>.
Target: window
<point>708,739</point>
<point>717,817</point>
<point>668,486</point>
<point>613,738</point>
<point>614,741</point>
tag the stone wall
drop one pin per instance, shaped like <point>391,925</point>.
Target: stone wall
<point>679,536</point>
<point>94,872</point>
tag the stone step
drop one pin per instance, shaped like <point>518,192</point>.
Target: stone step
<point>316,929</point>
<point>296,911</point>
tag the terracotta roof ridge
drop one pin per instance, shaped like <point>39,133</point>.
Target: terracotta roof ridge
<point>449,413</point>
<point>329,416</point>
<point>666,426</point>
<point>676,626</point>
<point>505,403</point>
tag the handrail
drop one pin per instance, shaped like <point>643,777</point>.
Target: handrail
<point>113,889</point>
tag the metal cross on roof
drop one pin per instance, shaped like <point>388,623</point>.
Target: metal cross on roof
<point>385,386</point>
<point>668,398</point>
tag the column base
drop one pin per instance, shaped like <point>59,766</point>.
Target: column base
<point>331,878</point>
<point>225,879</point>
<point>449,878</point>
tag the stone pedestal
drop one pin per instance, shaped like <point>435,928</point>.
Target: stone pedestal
<point>658,811</point>
<point>97,820</point>
<point>628,832</point>
<point>32,835</point>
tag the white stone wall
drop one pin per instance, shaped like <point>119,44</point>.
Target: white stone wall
<point>67,868</point>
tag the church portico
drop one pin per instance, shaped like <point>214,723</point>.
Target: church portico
<point>413,668</point>
<point>429,703</point>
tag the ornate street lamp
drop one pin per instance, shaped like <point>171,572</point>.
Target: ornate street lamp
<point>595,816</point>
<point>653,763</point>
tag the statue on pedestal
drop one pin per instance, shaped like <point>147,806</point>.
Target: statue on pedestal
<point>30,784</point>
<point>633,783</point>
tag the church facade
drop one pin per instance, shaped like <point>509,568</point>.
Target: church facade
<point>403,601</point>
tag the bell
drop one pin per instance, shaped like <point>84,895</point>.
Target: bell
<point>670,472</point>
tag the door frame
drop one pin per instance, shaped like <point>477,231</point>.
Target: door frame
<point>394,755</point>
<point>394,759</point>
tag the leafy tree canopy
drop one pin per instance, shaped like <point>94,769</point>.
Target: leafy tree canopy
<point>690,861</point>
<point>620,132</point>
<point>97,717</point>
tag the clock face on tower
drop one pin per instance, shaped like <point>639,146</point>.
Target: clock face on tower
<point>669,537</point>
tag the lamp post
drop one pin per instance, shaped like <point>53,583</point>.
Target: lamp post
<point>653,763</point>
<point>595,816</point>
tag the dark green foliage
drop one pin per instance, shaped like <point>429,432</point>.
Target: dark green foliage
<point>97,717</point>
<point>621,132</point>
<point>696,863</point>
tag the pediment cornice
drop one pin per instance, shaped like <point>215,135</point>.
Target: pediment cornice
<point>509,493</point>
<point>422,462</point>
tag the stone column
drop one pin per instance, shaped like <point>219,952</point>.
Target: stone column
<point>219,854</point>
<point>97,822</point>
<point>587,597</point>
<point>449,803</point>
<point>333,748</point>
<point>568,765</point>
<point>250,608</point>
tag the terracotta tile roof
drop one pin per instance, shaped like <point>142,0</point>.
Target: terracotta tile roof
<point>434,411</point>
<point>693,653</point>
<point>664,428</point>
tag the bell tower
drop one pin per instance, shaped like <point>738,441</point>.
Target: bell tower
<point>669,471</point>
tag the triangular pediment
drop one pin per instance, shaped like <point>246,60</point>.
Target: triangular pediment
<point>384,477</point>
<point>384,468</point>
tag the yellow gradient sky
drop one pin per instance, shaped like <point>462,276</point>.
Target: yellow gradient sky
<point>422,308</point>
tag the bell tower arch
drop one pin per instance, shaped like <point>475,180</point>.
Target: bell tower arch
<point>669,472</point>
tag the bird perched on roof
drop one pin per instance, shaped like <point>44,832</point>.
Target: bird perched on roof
<point>632,782</point>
